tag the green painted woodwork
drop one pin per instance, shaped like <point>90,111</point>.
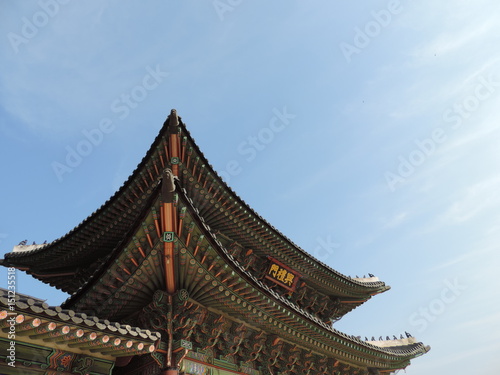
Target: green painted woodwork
<point>36,359</point>
<point>168,237</point>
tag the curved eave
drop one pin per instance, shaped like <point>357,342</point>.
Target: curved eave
<point>100,233</point>
<point>65,278</point>
<point>297,255</point>
<point>290,315</point>
<point>75,252</point>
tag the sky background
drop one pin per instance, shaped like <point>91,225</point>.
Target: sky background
<point>385,159</point>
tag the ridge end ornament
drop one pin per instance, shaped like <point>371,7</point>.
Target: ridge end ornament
<point>169,180</point>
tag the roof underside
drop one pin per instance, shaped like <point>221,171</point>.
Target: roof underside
<point>213,278</point>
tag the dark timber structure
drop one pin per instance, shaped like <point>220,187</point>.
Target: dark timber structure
<point>212,287</point>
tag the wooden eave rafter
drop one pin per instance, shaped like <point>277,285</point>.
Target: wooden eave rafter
<point>132,275</point>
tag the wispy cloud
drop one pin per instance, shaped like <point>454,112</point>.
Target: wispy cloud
<point>472,201</point>
<point>304,185</point>
<point>474,254</point>
<point>490,320</point>
<point>460,29</point>
<point>396,220</point>
<point>449,42</point>
<point>457,356</point>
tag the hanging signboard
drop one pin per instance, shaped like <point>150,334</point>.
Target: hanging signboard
<point>281,274</point>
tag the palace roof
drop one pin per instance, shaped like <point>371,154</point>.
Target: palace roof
<point>176,226</point>
<point>79,252</point>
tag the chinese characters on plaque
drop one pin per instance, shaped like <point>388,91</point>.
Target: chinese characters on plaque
<point>281,274</point>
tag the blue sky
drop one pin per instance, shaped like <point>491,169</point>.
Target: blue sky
<point>366,133</point>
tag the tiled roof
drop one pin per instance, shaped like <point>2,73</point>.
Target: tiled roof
<point>36,320</point>
<point>83,249</point>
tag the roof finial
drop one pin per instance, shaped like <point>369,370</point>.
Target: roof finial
<point>173,119</point>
